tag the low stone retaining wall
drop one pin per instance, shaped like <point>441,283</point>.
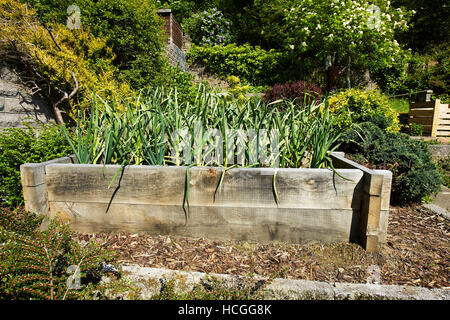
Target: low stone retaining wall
<point>439,151</point>
<point>147,281</point>
<point>297,205</point>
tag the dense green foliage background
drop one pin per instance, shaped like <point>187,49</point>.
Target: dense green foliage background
<point>18,146</point>
<point>131,28</point>
<point>415,175</point>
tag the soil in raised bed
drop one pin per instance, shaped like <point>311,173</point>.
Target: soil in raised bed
<point>417,253</point>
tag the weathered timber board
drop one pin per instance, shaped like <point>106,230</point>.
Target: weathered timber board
<point>296,188</point>
<point>425,121</point>
<point>257,224</point>
<point>33,174</point>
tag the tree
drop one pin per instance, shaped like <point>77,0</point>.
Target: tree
<point>429,25</point>
<point>185,8</point>
<point>346,33</point>
<point>132,28</point>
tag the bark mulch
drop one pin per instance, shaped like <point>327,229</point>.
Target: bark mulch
<point>417,253</point>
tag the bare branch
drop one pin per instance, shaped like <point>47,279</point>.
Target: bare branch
<point>66,96</point>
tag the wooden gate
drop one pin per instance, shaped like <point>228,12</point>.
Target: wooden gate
<point>433,116</point>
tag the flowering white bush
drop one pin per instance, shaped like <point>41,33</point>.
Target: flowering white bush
<point>348,30</point>
<point>209,28</point>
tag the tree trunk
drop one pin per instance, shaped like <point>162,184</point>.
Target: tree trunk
<point>349,85</point>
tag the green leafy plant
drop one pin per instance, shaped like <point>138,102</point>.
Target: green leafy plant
<point>29,145</point>
<point>36,264</point>
<point>209,27</point>
<point>414,173</point>
<point>416,129</point>
<point>131,28</point>
<point>443,166</point>
<point>353,33</point>
<point>147,132</point>
<point>250,64</point>
<point>58,61</point>
<point>355,106</point>
<point>236,89</point>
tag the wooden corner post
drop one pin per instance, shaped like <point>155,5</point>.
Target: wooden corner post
<point>435,123</point>
<point>370,211</point>
<point>33,184</point>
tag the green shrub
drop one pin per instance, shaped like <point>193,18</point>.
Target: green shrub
<point>443,166</point>
<point>251,64</point>
<point>300,92</point>
<point>357,106</point>
<point>19,146</point>
<point>132,28</point>
<point>414,174</point>
<point>173,77</point>
<point>35,264</point>
<point>208,28</point>
<point>31,50</point>
<point>19,221</point>
<point>416,129</point>
<point>418,72</point>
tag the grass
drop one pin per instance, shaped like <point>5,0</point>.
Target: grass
<point>400,105</point>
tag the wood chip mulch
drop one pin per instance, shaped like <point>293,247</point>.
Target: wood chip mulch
<point>417,253</point>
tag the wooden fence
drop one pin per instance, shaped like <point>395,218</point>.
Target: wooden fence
<point>433,116</point>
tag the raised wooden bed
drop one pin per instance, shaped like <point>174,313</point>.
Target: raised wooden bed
<point>313,204</point>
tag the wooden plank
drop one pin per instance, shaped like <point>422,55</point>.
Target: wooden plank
<point>375,204</point>
<point>443,134</point>
<point>35,199</point>
<point>383,226</point>
<point>340,161</point>
<point>250,224</point>
<point>444,122</point>
<point>437,104</point>
<point>422,121</point>
<point>297,188</point>
<point>386,190</point>
<point>136,184</point>
<point>370,212</point>
<point>417,105</point>
<point>421,113</point>
<point>444,108</point>
<point>33,174</point>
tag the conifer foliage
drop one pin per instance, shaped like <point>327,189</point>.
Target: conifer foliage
<point>48,264</point>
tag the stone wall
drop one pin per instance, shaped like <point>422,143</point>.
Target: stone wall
<point>176,56</point>
<point>18,104</point>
